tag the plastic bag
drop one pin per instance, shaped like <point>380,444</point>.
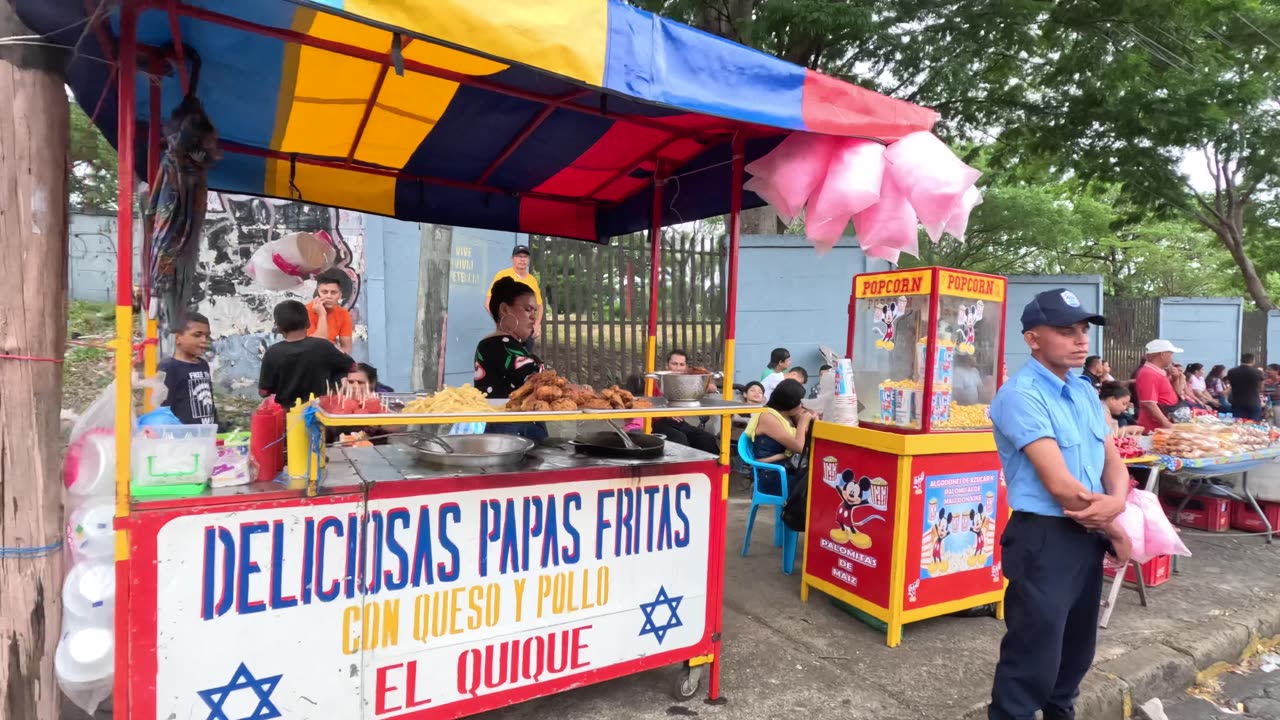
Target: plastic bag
<point>958,223</point>
<point>788,175</point>
<point>265,273</point>
<point>889,227</point>
<point>1160,537</point>
<point>851,185</point>
<point>1133,524</point>
<point>303,254</point>
<point>933,179</point>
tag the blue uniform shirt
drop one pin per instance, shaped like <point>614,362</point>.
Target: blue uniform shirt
<point>1036,404</point>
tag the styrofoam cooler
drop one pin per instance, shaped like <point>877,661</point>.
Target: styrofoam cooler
<point>173,454</point>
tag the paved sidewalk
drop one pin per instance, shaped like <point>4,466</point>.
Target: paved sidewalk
<point>785,659</point>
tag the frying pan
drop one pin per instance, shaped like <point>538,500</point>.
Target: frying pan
<point>609,444</point>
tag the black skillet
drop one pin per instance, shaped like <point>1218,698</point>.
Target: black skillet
<point>609,444</point>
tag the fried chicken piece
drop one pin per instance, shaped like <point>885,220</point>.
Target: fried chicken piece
<point>627,397</point>
<point>537,406</point>
<point>640,404</point>
<point>521,392</point>
<point>596,403</point>
<point>564,404</point>
<point>548,393</point>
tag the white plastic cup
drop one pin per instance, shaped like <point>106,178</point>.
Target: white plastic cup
<point>95,458</point>
<point>89,594</point>
<point>91,531</point>
<point>85,655</point>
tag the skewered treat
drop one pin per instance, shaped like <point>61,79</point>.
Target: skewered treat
<point>1129,447</point>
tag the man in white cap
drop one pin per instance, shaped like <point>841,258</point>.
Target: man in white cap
<point>1155,394</point>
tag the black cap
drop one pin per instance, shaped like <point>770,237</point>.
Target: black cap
<point>1057,308</point>
<point>519,250</point>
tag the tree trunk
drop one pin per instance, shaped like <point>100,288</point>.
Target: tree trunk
<point>33,320</point>
<point>434,266</point>
<point>1233,240</point>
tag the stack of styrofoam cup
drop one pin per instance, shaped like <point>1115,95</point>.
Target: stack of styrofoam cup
<point>844,400</point>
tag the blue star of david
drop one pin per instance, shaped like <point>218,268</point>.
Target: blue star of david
<point>672,604</point>
<point>214,697</point>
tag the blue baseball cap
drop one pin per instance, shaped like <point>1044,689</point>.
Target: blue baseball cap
<point>1057,308</point>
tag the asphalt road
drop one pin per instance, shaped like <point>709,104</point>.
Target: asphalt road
<point>1246,689</point>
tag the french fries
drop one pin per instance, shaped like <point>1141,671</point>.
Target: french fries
<point>451,401</point>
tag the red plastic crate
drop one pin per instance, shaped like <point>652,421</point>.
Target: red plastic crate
<point>1202,513</point>
<point>1154,571</point>
<point>1244,518</point>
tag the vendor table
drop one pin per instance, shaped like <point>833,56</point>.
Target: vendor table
<point>417,592</point>
<point>904,527</point>
<point>1198,470</point>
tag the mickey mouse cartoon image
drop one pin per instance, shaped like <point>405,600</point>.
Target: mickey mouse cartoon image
<point>978,525</point>
<point>887,314</point>
<point>941,529</point>
<point>853,497</point>
<point>967,318</point>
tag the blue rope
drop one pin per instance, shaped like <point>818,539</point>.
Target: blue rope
<point>30,552</point>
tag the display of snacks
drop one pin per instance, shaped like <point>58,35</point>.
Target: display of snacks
<point>450,401</point>
<point>351,404</point>
<point>967,417</point>
<point>900,403</point>
<point>548,392</point>
<point>1210,437</point>
<point>1129,447</point>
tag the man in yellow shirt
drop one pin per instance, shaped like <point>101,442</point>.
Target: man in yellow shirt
<point>519,271</point>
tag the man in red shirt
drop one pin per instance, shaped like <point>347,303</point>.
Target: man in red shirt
<point>1153,388</point>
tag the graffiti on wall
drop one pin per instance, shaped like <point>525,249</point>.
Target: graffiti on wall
<point>238,310</point>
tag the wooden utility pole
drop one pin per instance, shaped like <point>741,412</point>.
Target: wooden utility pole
<point>33,327</point>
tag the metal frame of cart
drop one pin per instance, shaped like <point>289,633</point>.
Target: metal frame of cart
<point>684,108</point>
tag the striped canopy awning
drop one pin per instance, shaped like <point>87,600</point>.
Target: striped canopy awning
<point>546,116</point>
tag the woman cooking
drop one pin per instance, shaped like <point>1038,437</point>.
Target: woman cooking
<point>503,362</point>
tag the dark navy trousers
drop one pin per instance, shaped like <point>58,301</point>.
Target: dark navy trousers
<point>1054,568</point>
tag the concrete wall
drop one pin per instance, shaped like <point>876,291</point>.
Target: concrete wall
<point>392,253</point>
<point>1088,288</point>
<point>790,296</point>
<point>1273,337</point>
<point>477,255</point>
<point>1207,329</point>
<point>91,252</point>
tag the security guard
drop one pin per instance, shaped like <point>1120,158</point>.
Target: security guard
<point>1066,485</point>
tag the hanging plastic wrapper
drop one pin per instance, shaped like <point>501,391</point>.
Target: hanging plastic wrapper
<point>1150,532</point>
<point>888,228</point>
<point>851,185</point>
<point>286,263</point>
<point>84,659</point>
<point>788,175</point>
<point>931,177</point>
<point>175,210</point>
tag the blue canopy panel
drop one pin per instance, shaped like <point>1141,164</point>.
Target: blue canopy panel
<point>545,117</point>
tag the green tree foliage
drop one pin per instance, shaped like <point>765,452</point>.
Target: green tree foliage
<point>1080,92</point>
<point>93,166</point>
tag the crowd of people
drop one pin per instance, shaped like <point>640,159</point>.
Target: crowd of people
<point>1162,392</point>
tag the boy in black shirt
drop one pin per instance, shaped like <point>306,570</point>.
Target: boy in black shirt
<point>187,375</point>
<point>300,366</point>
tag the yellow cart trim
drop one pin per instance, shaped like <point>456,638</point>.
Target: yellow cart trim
<point>953,606</point>
<point>900,444</point>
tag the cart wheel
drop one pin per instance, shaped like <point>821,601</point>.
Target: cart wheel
<point>687,682</point>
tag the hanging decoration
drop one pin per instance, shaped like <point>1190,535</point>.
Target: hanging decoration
<point>887,192</point>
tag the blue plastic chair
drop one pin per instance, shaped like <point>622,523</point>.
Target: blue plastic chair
<point>783,536</point>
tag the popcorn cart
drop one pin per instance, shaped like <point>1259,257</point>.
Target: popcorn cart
<point>905,509</point>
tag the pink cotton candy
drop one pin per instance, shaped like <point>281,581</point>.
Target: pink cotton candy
<point>958,223</point>
<point>851,185</point>
<point>889,225</point>
<point>788,175</point>
<point>1133,524</point>
<point>932,177</point>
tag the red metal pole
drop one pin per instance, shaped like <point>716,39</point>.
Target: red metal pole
<point>655,275</point>
<point>127,111</point>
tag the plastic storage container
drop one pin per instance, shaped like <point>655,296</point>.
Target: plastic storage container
<point>173,459</point>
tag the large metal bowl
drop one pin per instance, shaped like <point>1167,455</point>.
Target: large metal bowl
<point>474,451</point>
<point>681,387</point>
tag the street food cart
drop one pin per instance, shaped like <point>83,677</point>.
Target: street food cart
<point>906,508</point>
<point>371,587</point>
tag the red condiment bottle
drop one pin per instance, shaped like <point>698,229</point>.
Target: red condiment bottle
<point>266,433</point>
